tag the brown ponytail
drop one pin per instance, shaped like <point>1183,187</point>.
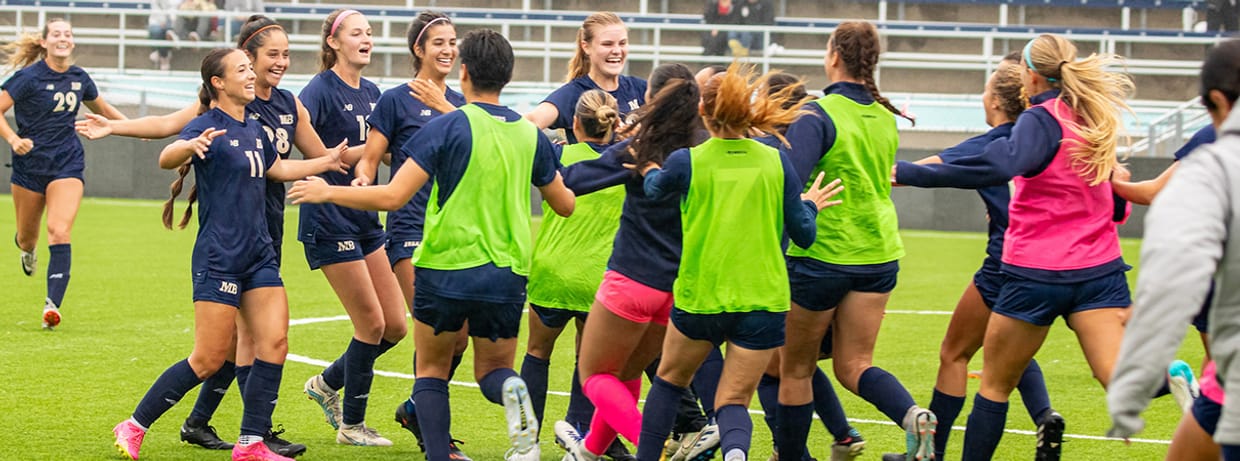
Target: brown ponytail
<point>857,44</point>
<point>175,189</point>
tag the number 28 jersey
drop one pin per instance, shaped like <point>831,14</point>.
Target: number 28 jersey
<point>232,186</point>
<point>45,105</point>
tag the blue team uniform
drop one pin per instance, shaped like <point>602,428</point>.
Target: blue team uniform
<point>232,253</point>
<point>630,94</point>
<point>332,233</point>
<point>46,103</point>
<point>278,118</point>
<point>398,115</point>
<point>1206,135</point>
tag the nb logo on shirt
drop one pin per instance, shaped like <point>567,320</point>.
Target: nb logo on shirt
<point>234,143</point>
<point>347,245</point>
<point>424,113</point>
<point>286,119</point>
<point>228,287</point>
<point>348,107</point>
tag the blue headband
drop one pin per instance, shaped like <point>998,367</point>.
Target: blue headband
<point>1029,61</point>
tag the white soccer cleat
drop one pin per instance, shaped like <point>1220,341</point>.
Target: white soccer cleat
<point>360,435</point>
<point>1183,384</point>
<point>28,259</point>
<point>701,447</point>
<point>327,398</point>
<point>51,315</point>
<point>522,424</point>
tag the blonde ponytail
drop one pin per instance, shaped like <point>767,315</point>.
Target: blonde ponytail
<point>26,50</point>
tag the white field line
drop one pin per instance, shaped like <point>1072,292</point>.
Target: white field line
<point>391,374</point>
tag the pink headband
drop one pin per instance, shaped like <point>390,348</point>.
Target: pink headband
<point>340,18</point>
<point>427,26</point>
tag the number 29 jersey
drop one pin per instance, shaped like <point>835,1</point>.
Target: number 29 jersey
<point>45,104</point>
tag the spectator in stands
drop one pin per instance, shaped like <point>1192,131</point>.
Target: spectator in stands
<point>714,42</point>
<point>163,13</point>
<point>751,13</point>
<point>194,27</point>
<point>238,12</point>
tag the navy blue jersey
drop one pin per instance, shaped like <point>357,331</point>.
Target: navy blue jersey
<point>232,183</point>
<point>630,94</point>
<point>1205,135</point>
<point>647,245</point>
<point>338,113</point>
<point>278,118</point>
<point>398,115</point>
<point>995,198</point>
<point>443,149</point>
<point>45,104</point>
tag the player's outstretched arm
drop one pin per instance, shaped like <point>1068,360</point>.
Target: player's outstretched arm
<point>391,196</point>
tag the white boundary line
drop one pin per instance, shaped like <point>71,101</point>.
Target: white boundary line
<point>391,374</point>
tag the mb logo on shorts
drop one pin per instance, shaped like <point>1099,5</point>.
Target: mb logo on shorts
<point>347,245</point>
<point>228,287</point>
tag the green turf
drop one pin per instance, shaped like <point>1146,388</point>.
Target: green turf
<point>128,315</point>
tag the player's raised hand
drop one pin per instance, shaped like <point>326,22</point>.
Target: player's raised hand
<point>203,141</point>
<point>94,127</point>
<point>821,195</point>
<point>337,157</point>
<point>313,189</point>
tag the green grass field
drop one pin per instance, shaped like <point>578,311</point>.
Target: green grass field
<point>128,315</point>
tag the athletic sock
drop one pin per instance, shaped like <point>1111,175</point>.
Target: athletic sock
<point>735,428</point>
<point>580,409</point>
<point>885,392</point>
<point>706,381</point>
<point>658,416</point>
<point>384,346</point>
<point>359,367</point>
<point>1231,452</point>
<point>262,390</point>
<point>58,272</point>
<point>456,362</point>
<point>768,397</point>
<point>985,428</point>
<point>211,394</point>
<point>435,419</point>
<point>492,384</point>
<point>333,375</point>
<point>243,375</point>
<point>793,422</point>
<point>165,392</point>
<point>600,436</point>
<point>828,407</point>
<point>615,405</point>
<point>946,408</point>
<point>534,371</point>
<point>1032,389</point>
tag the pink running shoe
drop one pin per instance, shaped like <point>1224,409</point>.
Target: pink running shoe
<point>128,438</point>
<point>256,451</point>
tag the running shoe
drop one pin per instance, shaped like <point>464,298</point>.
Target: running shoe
<point>203,436</point>
<point>28,259</point>
<point>1050,436</point>
<point>700,448</point>
<point>522,424</point>
<point>128,438</point>
<point>257,451</point>
<point>1183,384</point>
<point>849,448</point>
<point>282,447</point>
<point>51,314</point>
<point>919,426</point>
<point>360,435</point>
<point>327,398</point>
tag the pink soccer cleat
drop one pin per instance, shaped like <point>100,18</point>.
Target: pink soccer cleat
<point>128,438</point>
<point>256,451</point>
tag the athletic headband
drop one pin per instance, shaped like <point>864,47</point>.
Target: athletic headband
<point>428,26</point>
<point>259,31</point>
<point>1029,61</point>
<point>340,18</point>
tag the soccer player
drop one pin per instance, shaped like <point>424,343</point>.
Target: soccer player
<point>47,92</point>
<point>347,244</point>
<point>233,265</point>
<point>601,54</point>
<point>1061,250</point>
<point>399,113</point>
<point>845,278</point>
<point>473,261</point>
<point>1002,102</point>
<point>730,186</point>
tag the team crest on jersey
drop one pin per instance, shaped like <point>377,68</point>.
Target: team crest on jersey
<point>253,115</point>
<point>633,104</point>
<point>51,87</point>
<point>424,113</point>
<point>348,107</point>
<point>75,86</point>
<point>258,142</point>
<point>234,143</point>
<point>372,106</point>
<point>286,119</point>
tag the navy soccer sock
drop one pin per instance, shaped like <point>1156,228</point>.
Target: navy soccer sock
<point>828,407</point>
<point>735,428</point>
<point>456,362</point>
<point>359,373</point>
<point>58,272</point>
<point>658,416</point>
<point>768,397</point>
<point>1231,452</point>
<point>243,376</point>
<point>492,384</point>
<point>534,371</point>
<point>435,419</point>
<point>985,428</point>
<point>211,394</point>
<point>165,392</point>
<point>262,390</point>
<point>793,422</point>
<point>1032,389</point>
<point>946,408</point>
<point>885,392</point>
<point>706,381</point>
<point>333,375</point>
<point>580,408</point>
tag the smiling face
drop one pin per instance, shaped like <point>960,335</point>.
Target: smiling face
<point>271,59</point>
<point>352,41</point>
<point>437,51</point>
<point>58,40</point>
<point>237,82</point>
<point>608,50</point>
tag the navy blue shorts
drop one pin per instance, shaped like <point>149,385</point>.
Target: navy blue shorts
<point>401,247</point>
<point>332,251</point>
<point>557,318</point>
<point>818,287</point>
<point>227,288</point>
<point>1039,302</point>
<point>486,319</point>
<point>1202,320</point>
<point>38,182</point>
<point>757,330</point>
<point>1206,412</point>
<point>989,283</point>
